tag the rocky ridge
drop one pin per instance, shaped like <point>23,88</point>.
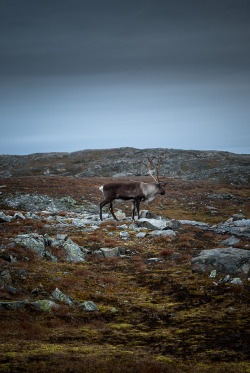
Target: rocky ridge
<point>187,164</point>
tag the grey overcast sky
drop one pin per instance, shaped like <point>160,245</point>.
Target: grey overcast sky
<point>78,74</point>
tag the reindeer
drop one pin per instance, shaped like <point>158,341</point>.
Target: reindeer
<point>134,192</point>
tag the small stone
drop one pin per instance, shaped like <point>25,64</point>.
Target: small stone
<point>124,234</point>
<point>19,215</point>
<point>58,295</point>
<point>236,281</point>
<point>5,218</point>
<point>88,306</point>
<point>225,279</point>
<point>141,235</point>
<point>213,273</point>
<point>231,241</point>
<point>62,237</point>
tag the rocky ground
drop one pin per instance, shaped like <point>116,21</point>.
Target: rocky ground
<point>166,293</point>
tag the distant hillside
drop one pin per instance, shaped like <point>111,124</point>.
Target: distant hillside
<point>187,164</point>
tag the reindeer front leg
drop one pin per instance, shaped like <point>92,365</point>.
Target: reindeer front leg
<point>112,211</point>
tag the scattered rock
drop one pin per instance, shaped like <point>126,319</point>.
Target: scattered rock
<point>32,241</point>
<point>236,281</point>
<point>226,260</point>
<point>13,305</point>
<point>58,295</point>
<point>88,306</point>
<point>124,234</point>
<point>106,252</point>
<point>225,279</point>
<point>154,224</point>
<point>39,243</point>
<point>231,241</point>
<point>213,273</point>
<point>141,234</point>
<point>39,290</point>
<point>11,289</point>
<point>5,255</point>
<point>239,216</point>
<point>152,261</point>
<point>147,214</point>
<point>163,233</point>
<point>19,215</point>
<point>5,276</point>
<point>44,305</point>
<point>173,224</point>
<point>4,218</point>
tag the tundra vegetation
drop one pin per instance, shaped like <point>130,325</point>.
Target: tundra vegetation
<point>131,303</point>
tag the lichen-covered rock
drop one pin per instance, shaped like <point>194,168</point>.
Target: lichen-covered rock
<point>44,305</point>
<point>88,306</point>
<point>5,276</point>
<point>32,241</point>
<point>225,260</point>
<point>39,202</point>
<point>58,295</point>
<point>13,305</point>
<point>74,253</point>
<point>39,244</point>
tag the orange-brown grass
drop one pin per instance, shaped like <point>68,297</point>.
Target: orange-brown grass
<point>185,258</point>
<point>4,294</point>
<point>140,266</point>
<point>136,258</point>
<point>186,237</point>
<point>184,245</point>
<point>78,240</point>
<point>166,252</point>
<point>114,261</point>
<point>35,224</point>
<point>71,283</point>
<point>208,235</point>
<point>110,242</point>
<point>97,236</point>
<point>237,289</point>
<point>166,265</point>
<point>62,213</point>
<point>109,225</point>
<point>240,245</point>
<point>110,279</point>
<point>82,272</point>
<point>163,240</point>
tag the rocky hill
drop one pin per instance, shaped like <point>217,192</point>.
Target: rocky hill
<point>216,166</point>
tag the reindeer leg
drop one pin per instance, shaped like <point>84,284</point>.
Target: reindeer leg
<point>133,210</point>
<point>138,208</point>
<point>112,211</point>
<point>102,204</point>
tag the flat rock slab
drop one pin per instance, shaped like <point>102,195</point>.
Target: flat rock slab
<point>227,260</point>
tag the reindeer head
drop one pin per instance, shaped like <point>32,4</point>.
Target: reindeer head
<point>152,163</point>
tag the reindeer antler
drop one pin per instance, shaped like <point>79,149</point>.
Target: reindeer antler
<point>151,163</point>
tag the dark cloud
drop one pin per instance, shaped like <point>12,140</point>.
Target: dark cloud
<point>83,37</point>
